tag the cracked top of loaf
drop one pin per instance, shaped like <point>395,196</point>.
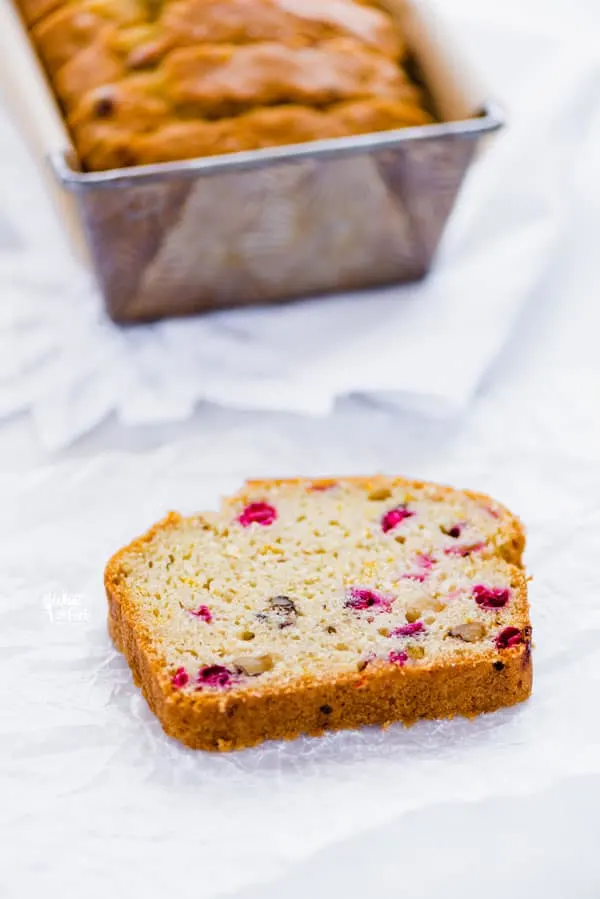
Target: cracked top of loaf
<point>146,81</point>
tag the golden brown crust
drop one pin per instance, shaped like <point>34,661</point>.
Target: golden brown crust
<point>71,28</point>
<point>294,23</point>
<point>118,146</point>
<point>34,10</point>
<point>383,695</point>
<point>221,79</point>
<point>143,82</point>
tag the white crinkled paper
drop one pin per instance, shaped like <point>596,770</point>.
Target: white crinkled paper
<point>97,799</point>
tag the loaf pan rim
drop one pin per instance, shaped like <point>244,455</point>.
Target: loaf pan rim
<point>487,121</point>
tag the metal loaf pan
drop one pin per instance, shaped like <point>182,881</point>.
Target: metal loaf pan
<point>270,225</point>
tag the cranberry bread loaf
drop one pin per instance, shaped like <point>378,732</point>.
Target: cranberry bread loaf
<point>146,81</point>
<point>308,605</point>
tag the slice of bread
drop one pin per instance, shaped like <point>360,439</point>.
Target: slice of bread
<point>307,605</point>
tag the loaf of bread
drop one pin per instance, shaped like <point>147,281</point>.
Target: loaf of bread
<point>307,605</point>
<point>146,81</point>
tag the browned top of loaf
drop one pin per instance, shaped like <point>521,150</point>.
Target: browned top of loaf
<point>143,81</point>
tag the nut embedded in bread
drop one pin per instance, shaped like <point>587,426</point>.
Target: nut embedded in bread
<point>145,82</point>
<point>379,599</point>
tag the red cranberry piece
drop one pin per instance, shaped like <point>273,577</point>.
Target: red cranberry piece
<point>202,612</point>
<point>361,598</point>
<point>214,676</point>
<point>394,517</point>
<point>398,658</point>
<point>510,636</point>
<point>490,597</point>
<point>415,576</point>
<point>180,678</point>
<point>464,550</point>
<point>258,513</point>
<point>423,562</point>
<point>408,630</point>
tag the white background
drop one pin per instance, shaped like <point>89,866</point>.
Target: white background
<point>97,802</point>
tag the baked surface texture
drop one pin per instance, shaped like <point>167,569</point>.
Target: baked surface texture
<point>147,81</point>
<point>308,605</point>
